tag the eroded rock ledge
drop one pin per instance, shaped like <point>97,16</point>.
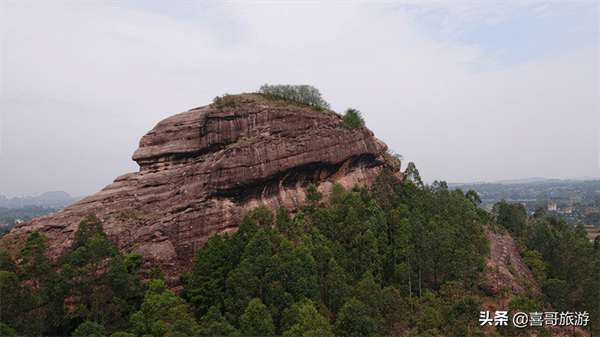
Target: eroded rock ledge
<point>201,170</point>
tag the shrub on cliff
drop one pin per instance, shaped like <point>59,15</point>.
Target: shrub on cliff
<point>393,158</point>
<point>353,120</point>
<point>305,94</point>
<point>226,100</point>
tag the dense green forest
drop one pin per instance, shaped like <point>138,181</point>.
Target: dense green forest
<point>394,259</point>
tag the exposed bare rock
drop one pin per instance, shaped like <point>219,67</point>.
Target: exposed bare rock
<point>508,271</point>
<point>201,170</point>
<point>507,267</point>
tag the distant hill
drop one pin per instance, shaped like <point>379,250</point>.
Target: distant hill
<point>55,195</point>
<point>52,198</point>
<point>522,181</point>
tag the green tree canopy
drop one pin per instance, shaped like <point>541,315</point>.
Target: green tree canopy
<point>353,120</point>
<point>309,323</point>
<point>257,320</point>
<point>306,94</point>
<point>163,313</point>
<point>5,330</point>
<point>355,319</point>
<point>214,324</point>
<point>90,329</point>
<point>7,263</point>
<point>87,229</point>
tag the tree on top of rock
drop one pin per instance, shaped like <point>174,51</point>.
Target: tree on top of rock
<point>353,120</point>
<point>306,94</point>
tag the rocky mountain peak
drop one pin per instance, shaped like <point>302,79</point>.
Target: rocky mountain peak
<point>202,169</point>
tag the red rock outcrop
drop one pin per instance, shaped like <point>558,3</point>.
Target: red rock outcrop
<point>201,170</point>
<point>507,267</point>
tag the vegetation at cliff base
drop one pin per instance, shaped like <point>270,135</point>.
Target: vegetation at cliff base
<point>357,267</point>
<point>395,259</point>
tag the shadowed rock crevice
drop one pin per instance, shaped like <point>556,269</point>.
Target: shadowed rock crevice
<point>301,176</point>
<point>202,169</point>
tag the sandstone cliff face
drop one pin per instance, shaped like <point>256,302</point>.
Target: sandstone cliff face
<point>201,170</point>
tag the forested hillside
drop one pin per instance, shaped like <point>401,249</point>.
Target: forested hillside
<point>394,258</point>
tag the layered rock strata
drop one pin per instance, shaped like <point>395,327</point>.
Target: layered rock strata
<point>201,170</point>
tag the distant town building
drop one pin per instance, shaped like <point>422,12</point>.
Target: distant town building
<point>568,210</point>
<point>18,221</point>
<point>552,207</point>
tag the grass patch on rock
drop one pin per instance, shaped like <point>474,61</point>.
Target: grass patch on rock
<point>227,101</point>
<point>242,142</point>
<point>281,104</point>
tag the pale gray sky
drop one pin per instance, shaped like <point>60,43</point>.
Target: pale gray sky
<point>467,91</point>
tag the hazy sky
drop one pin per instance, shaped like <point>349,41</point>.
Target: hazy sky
<point>467,91</point>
